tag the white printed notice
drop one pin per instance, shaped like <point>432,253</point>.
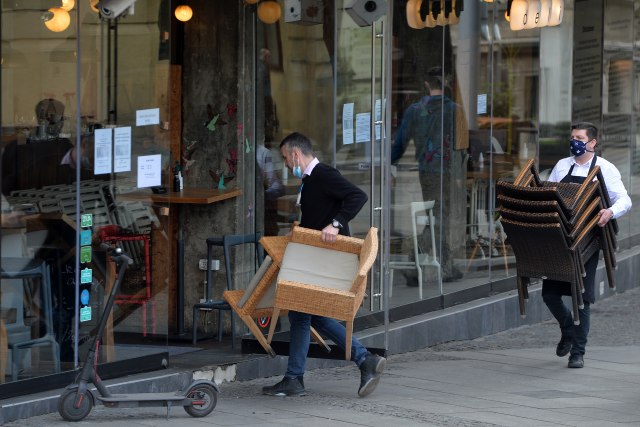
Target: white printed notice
<point>122,149</point>
<point>347,123</point>
<point>363,127</point>
<point>148,117</point>
<point>102,151</point>
<point>149,171</point>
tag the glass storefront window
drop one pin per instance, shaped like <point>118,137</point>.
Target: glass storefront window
<point>84,108</point>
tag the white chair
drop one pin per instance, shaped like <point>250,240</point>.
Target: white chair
<point>421,214</point>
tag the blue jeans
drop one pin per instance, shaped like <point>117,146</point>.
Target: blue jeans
<point>563,315</point>
<point>301,336</point>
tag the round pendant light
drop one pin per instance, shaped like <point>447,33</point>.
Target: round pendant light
<point>269,12</point>
<point>58,20</point>
<point>68,4</point>
<point>183,13</point>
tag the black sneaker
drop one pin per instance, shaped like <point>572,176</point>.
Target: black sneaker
<point>286,387</point>
<point>370,371</point>
<point>576,361</point>
<point>564,346</point>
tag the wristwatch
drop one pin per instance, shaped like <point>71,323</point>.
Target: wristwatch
<point>336,224</point>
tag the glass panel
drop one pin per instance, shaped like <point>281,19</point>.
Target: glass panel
<point>294,92</point>
<point>617,135</point>
<point>72,142</point>
<point>429,154</point>
<point>39,197</point>
<point>359,105</point>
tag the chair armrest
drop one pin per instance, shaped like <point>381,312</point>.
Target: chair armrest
<point>307,236</point>
<point>275,246</point>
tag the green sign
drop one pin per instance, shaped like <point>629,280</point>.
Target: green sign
<point>85,314</point>
<point>86,275</point>
<point>85,254</point>
<point>86,220</point>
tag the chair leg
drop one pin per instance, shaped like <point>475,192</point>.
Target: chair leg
<point>219,325</point>
<point>419,279</point>
<point>257,333</point>
<point>233,330</point>
<point>521,291</point>
<point>318,338</point>
<point>3,350</point>
<point>473,253</point>
<point>15,356</point>
<point>272,327</point>
<point>194,333</point>
<point>144,318</point>
<point>153,316</point>
<point>347,347</point>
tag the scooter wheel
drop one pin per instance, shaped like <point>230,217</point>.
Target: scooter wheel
<point>204,398</point>
<point>66,405</point>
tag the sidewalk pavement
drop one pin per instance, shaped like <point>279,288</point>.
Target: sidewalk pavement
<point>508,379</point>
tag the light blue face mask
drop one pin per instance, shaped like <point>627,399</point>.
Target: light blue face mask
<point>297,171</point>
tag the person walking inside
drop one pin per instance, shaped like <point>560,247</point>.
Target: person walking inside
<point>328,202</point>
<point>435,125</point>
<point>574,169</point>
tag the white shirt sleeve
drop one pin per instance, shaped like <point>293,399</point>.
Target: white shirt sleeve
<point>620,200</point>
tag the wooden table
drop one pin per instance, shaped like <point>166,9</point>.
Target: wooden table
<point>188,196</point>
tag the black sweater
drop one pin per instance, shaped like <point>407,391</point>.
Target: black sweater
<point>327,195</point>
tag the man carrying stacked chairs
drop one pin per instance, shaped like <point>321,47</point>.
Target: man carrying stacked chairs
<point>557,229</point>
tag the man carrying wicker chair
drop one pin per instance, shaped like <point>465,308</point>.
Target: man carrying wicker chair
<point>574,169</point>
<point>327,202</point>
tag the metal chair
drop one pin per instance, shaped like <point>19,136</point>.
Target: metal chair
<point>227,242</point>
<point>25,268</point>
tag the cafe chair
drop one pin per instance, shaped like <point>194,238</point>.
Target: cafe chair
<point>256,301</point>
<point>570,213</point>
<point>542,252</point>
<point>421,214</point>
<point>528,175</point>
<point>25,268</point>
<point>227,242</point>
<point>305,284</point>
<point>485,233</point>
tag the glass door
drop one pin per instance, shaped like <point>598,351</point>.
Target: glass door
<point>360,93</point>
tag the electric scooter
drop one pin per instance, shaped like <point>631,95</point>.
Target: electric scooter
<point>77,400</point>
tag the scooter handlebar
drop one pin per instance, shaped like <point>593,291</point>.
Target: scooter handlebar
<point>116,253</point>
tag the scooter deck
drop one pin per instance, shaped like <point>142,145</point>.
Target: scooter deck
<point>143,397</point>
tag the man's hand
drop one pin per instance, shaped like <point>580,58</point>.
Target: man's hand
<point>605,216</point>
<point>329,233</point>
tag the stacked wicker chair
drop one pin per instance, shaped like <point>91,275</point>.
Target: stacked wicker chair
<point>553,229</point>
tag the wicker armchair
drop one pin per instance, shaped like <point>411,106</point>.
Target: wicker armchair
<point>256,301</point>
<point>306,285</point>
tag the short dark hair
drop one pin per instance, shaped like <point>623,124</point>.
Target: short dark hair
<point>434,78</point>
<point>592,130</point>
<point>298,140</point>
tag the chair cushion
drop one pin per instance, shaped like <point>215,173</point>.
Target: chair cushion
<point>318,266</point>
<point>255,280</point>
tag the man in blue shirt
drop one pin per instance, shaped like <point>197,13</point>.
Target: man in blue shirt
<point>432,125</point>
